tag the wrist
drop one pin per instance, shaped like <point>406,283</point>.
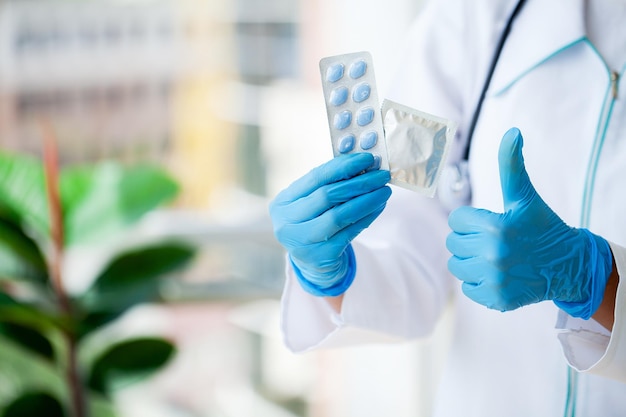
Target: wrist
<point>599,266</point>
<point>325,286</point>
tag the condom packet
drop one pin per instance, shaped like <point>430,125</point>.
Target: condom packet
<point>352,106</point>
<point>417,146</point>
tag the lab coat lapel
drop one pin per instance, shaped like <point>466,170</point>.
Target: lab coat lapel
<point>540,31</point>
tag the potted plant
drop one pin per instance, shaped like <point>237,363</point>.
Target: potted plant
<point>45,369</point>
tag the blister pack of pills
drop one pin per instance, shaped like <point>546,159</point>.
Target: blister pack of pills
<point>411,144</point>
<point>352,106</point>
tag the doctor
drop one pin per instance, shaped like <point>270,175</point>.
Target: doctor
<point>532,259</point>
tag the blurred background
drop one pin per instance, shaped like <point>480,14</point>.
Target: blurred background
<point>227,96</point>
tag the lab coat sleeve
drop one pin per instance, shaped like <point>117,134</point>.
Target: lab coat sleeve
<point>587,346</point>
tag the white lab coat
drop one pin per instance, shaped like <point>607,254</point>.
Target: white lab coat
<point>552,84</point>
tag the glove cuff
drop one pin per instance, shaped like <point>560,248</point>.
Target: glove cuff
<point>339,287</point>
<point>600,267</point>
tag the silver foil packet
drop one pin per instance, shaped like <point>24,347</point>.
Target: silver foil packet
<point>417,146</point>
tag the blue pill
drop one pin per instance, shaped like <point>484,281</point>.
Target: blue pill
<point>346,144</point>
<point>365,116</point>
<point>361,92</point>
<point>357,69</point>
<point>338,96</point>
<point>368,140</point>
<point>376,164</point>
<point>342,119</point>
<point>334,73</point>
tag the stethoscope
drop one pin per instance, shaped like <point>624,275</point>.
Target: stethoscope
<point>455,189</point>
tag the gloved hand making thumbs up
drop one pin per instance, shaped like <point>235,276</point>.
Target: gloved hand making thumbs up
<point>526,254</point>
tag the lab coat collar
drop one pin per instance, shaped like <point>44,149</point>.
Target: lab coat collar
<point>541,30</point>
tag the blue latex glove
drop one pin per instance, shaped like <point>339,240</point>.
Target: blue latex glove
<point>317,216</point>
<point>527,254</point>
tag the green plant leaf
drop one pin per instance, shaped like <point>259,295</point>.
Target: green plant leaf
<point>103,199</point>
<point>133,277</point>
<point>93,320</point>
<point>20,256</point>
<point>143,264</point>
<point>100,406</point>
<point>22,191</point>
<point>22,371</point>
<point>28,338</point>
<point>6,300</point>
<point>144,188</point>
<point>12,311</point>
<point>33,404</point>
<point>128,362</point>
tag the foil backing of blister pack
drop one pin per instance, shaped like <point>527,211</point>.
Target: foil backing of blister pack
<point>417,146</point>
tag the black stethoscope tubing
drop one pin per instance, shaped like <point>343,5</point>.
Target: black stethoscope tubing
<point>492,68</point>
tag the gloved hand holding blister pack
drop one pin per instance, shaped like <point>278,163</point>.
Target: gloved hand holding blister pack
<point>317,217</point>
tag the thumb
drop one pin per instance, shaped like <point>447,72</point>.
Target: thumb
<point>514,180</point>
